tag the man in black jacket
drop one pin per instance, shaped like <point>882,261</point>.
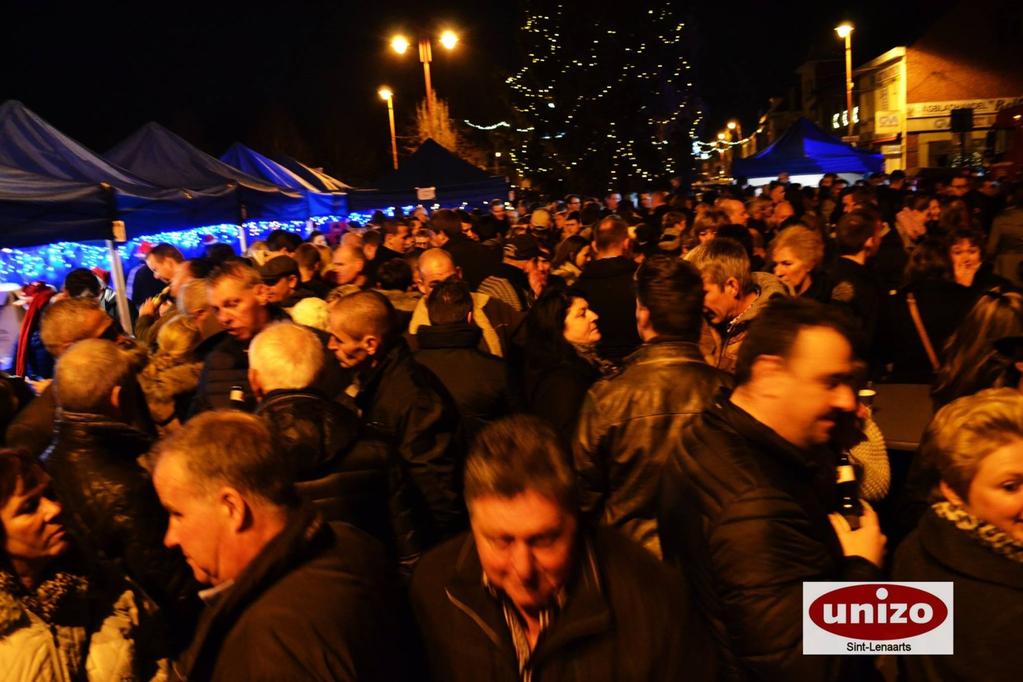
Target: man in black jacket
<point>856,288</point>
<point>291,597</point>
<point>610,290</point>
<point>110,507</point>
<point>344,476</point>
<point>448,347</point>
<point>630,425</point>
<point>402,403</point>
<point>240,301</point>
<point>745,504</point>
<point>532,594</point>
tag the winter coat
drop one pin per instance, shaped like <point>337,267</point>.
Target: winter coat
<point>317,603</point>
<point>609,287</point>
<point>625,618</point>
<point>745,513</point>
<point>630,425</point>
<point>31,429</point>
<point>988,602</point>
<point>169,384</point>
<point>555,389</point>
<point>407,407</point>
<point>343,476</point>
<point>102,627</point>
<point>856,289</point>
<point>721,348</point>
<point>497,320</point>
<point>112,511</point>
<point>478,382</point>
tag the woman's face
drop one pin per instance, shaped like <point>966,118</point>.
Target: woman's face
<point>581,323</point>
<point>583,257</point>
<point>791,270</point>
<point>996,492</point>
<point>964,254</point>
<point>933,210</point>
<point>32,531</point>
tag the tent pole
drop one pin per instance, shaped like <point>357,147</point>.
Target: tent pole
<point>242,215</point>
<point>118,233</point>
<point>121,289</point>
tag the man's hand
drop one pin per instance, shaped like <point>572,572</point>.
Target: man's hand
<point>149,306</point>
<point>867,541</point>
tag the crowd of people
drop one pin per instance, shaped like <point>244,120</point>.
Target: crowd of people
<point>578,439</point>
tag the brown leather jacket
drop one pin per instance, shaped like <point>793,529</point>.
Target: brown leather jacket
<point>631,424</point>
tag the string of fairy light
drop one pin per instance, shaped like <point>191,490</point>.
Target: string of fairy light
<point>539,104</point>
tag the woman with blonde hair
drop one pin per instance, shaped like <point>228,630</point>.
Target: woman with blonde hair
<point>797,253</point>
<point>971,362</point>
<point>170,379</point>
<point>973,535</point>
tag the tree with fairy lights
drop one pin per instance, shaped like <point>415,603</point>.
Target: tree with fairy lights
<point>605,93</point>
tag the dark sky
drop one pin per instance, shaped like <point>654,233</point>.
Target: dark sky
<point>302,76</point>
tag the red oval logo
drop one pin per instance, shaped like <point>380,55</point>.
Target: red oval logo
<point>878,611</point>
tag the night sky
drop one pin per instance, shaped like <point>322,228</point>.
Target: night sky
<point>301,77</point>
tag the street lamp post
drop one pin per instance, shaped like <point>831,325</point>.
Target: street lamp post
<point>844,31</point>
<point>400,44</point>
<point>386,94</point>
<point>736,127</point>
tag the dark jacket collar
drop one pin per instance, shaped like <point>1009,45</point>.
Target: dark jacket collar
<point>393,357</point>
<point>763,438</point>
<point>287,395</point>
<point>586,612</point>
<point>74,429</point>
<point>454,335</point>
<point>305,536</point>
<point>609,267</point>
<point>664,348</point>
<point>955,549</point>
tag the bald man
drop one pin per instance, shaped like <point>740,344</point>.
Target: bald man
<point>403,403</point>
<point>497,319</point>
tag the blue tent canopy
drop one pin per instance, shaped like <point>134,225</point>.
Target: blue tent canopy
<point>251,162</point>
<point>805,149</point>
<point>31,145</point>
<point>455,182</point>
<point>163,158</point>
<point>317,178</point>
<point>36,210</point>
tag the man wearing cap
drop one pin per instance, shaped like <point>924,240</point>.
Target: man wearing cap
<point>510,283</point>
<point>281,277</point>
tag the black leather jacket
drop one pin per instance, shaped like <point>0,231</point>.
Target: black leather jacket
<point>406,405</point>
<point>112,511</point>
<point>630,425</point>
<point>746,514</point>
<point>345,477</point>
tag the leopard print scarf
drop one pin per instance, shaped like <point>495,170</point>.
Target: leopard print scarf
<point>47,598</point>
<point>995,539</point>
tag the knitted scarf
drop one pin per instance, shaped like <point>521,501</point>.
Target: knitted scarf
<point>47,598</point>
<point>987,534</point>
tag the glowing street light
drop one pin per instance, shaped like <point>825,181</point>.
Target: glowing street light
<point>400,44</point>
<point>449,39</point>
<point>844,31</point>
<point>387,95</point>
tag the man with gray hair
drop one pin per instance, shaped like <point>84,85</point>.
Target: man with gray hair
<point>64,323</point>
<point>530,593</point>
<point>733,297</point>
<point>110,507</point>
<point>344,476</point>
<point>291,597</point>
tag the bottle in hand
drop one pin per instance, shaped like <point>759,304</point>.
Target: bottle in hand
<point>847,492</point>
<point>237,398</point>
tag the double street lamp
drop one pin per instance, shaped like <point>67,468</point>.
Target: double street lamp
<point>400,44</point>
